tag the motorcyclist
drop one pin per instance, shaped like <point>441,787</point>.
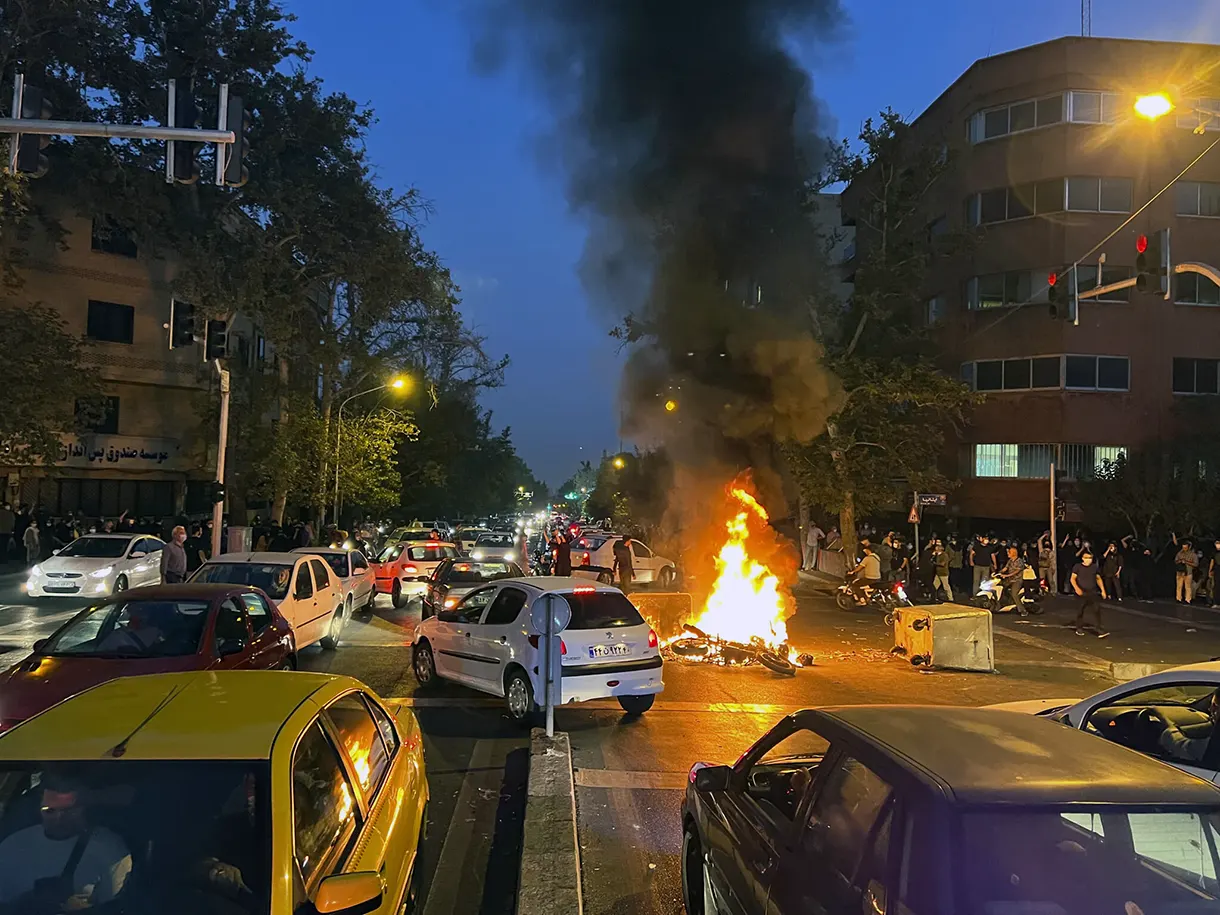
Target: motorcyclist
<point>1011,579</point>
<point>866,574</point>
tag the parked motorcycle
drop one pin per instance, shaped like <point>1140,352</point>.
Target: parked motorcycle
<point>994,597</point>
<point>884,598</point>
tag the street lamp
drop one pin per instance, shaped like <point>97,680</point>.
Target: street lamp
<point>394,384</point>
<point>670,406</point>
<point>1153,106</point>
<point>619,463</point>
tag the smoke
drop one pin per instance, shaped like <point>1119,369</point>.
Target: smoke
<point>689,135</point>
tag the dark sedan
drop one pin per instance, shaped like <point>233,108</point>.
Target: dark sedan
<point>455,578</point>
<point>161,629</point>
<point>945,811</point>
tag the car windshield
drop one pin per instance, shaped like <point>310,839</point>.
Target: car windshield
<point>468,573</point>
<point>177,822</point>
<point>271,577</point>
<point>1086,860</point>
<point>391,552</point>
<point>494,540</point>
<point>602,610</point>
<point>96,547</point>
<point>132,629</point>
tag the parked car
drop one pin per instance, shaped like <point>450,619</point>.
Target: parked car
<point>500,546</point>
<point>98,564</point>
<point>159,629</point>
<point>487,642</point>
<point>301,585</point>
<point>357,580</point>
<point>1135,714</point>
<point>453,579</point>
<point>593,557</point>
<point>403,569</point>
<point>228,791</point>
<point>951,811</point>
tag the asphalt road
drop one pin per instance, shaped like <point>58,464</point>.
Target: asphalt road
<point>630,772</point>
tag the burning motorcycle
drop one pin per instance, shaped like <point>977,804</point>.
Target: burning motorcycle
<point>696,645</point>
<point>884,598</point>
<point>994,597</point>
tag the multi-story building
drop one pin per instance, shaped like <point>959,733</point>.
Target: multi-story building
<point>1048,160</point>
<point>154,452</point>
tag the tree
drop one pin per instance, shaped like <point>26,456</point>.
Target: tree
<point>888,436</point>
<point>49,389</point>
<point>633,496</point>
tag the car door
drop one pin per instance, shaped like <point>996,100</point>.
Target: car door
<point>362,578</point>
<point>641,562</point>
<point>135,563</point>
<point>302,606</point>
<point>750,825</point>
<point>449,633</point>
<point>327,596</point>
<point>266,649</point>
<point>231,641</point>
<point>152,560</point>
<point>494,638</point>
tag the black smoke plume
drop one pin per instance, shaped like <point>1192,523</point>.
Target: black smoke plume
<point>689,135</point>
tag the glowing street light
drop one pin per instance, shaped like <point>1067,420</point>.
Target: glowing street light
<point>1153,106</point>
<point>619,463</point>
<point>399,384</point>
<point>670,406</point>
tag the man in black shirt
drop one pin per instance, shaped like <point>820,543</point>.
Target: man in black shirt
<point>1087,583</point>
<point>563,555</point>
<point>623,564</point>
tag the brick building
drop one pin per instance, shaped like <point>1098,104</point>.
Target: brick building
<point>1048,158</point>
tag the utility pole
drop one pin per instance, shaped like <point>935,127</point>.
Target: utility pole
<point>218,508</point>
<point>1086,18</point>
<point>1053,584</point>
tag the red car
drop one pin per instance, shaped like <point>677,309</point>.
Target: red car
<point>403,568</point>
<point>161,629</point>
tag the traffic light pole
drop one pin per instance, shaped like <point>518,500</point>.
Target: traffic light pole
<point>222,444</point>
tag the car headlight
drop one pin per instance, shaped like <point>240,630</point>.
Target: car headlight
<point>102,573</point>
<point>477,554</point>
<point>35,570</point>
<point>510,557</point>
<point>450,603</point>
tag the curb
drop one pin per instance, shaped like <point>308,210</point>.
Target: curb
<point>549,882</point>
<point>1122,671</point>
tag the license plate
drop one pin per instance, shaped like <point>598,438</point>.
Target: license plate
<point>67,589</point>
<point>609,651</point>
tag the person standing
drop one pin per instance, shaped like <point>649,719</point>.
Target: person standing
<point>173,557</point>
<point>196,549</point>
<point>885,555</point>
<point>1046,566</point>
<point>1184,564</point>
<point>940,570</point>
<point>32,541</point>
<point>954,551</point>
<point>1111,570</point>
<point>981,558</point>
<point>813,543</point>
<point>8,521</point>
<point>1086,582</point>
<point>1212,597</point>
<point>623,564</point>
<point>563,555</point>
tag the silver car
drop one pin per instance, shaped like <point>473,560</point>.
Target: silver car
<point>356,579</point>
<point>98,565</point>
<point>498,545</point>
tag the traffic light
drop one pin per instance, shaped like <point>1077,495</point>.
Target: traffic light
<point>186,114</point>
<point>31,160</point>
<point>238,120</point>
<point>216,342</point>
<point>1057,293</point>
<point>181,324</point>
<point>217,491</point>
<point>1152,262</point>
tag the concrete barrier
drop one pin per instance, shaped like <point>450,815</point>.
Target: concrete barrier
<point>549,883</point>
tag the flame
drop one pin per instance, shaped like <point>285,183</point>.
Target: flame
<point>747,601</point>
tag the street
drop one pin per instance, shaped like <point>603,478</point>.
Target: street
<point>629,773</point>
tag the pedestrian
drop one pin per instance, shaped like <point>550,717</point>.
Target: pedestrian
<point>1111,570</point>
<point>173,557</point>
<point>32,541</point>
<point>20,522</point>
<point>1213,598</point>
<point>305,535</point>
<point>8,520</point>
<point>954,551</point>
<point>1086,582</point>
<point>981,560</point>
<point>1012,580</point>
<point>940,570</point>
<point>562,565</point>
<point>813,543</point>
<point>1045,564</point>
<point>623,564</point>
<point>196,549</point>
<point>885,555</point>
<point>1184,565</point>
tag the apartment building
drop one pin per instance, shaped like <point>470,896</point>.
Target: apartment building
<point>154,452</point>
<point>1048,159</point>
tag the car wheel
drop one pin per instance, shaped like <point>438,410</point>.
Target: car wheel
<point>605,578</point>
<point>396,594</point>
<point>424,664</point>
<point>693,895</point>
<point>415,889</point>
<point>289,663</point>
<point>667,577</point>
<point>331,640</point>
<point>636,705</point>
<point>519,697</point>
<point>371,604</point>
<point>120,584</point>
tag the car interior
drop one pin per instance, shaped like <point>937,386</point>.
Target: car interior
<point>1135,721</point>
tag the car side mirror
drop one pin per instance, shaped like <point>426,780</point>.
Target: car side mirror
<point>138,554</point>
<point>55,552</point>
<point>714,778</point>
<point>228,647</point>
<point>350,894</point>
<point>40,645</point>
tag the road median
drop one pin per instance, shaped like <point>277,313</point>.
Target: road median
<point>550,854</point>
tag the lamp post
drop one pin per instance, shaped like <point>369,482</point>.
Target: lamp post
<point>397,384</point>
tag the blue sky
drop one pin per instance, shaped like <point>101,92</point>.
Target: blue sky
<point>499,218</point>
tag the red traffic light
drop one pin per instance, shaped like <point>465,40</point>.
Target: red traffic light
<point>1141,244</point>
<point>1052,279</point>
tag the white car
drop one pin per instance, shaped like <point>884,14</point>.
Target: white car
<point>593,557</point>
<point>496,546</point>
<point>1185,696</point>
<point>97,565</point>
<point>487,642</point>
<point>356,578</point>
<point>302,585</point>
<point>467,536</point>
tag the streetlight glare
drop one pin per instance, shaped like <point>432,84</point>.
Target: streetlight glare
<point>619,463</point>
<point>670,406</point>
<point>1153,106</point>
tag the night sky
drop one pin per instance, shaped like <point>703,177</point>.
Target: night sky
<point>473,146</point>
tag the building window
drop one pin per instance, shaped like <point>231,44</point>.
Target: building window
<point>1097,373</point>
<point>1197,198</point>
<point>1079,462</point>
<point>1086,275</point>
<point>996,290</point>
<point>111,238</point>
<point>1016,462</point>
<point>1005,203</point>
<point>1199,112</point>
<point>107,425</point>
<point>1017,117</point>
<point>1195,289</point>
<point>1099,195</point>
<point>935,310</point>
<point>1093,107</point>
<point>110,322</point>
<point>1196,376</point>
<point>1038,373</point>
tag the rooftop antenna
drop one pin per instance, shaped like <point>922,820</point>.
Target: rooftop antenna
<point>1086,18</point>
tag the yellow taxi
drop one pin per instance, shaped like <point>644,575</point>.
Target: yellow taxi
<point>214,792</point>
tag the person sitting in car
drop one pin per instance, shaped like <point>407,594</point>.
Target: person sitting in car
<point>1181,747</point>
<point>65,864</point>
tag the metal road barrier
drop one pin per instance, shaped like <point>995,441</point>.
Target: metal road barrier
<point>666,611</point>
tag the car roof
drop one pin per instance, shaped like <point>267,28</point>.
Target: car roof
<point>323,550</point>
<point>185,591</point>
<point>113,536</point>
<point>233,714</point>
<point>987,756</point>
<point>266,556</point>
<point>551,583</point>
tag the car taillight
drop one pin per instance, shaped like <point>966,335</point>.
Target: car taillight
<point>584,559</point>
<point>652,638</point>
<point>410,570</point>
<point>536,640</point>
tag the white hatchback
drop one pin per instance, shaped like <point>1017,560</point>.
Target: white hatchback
<point>97,565</point>
<point>488,642</point>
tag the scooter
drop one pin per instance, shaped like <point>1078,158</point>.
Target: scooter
<point>884,598</point>
<point>994,597</point>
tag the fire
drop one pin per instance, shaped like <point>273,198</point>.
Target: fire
<point>747,601</point>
